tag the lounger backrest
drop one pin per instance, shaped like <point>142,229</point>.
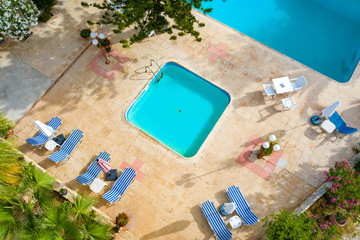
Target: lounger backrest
<point>124,180</point>
<point>94,169</point>
<point>55,123</point>
<point>71,142</point>
<point>337,120</point>
<point>215,221</point>
<point>242,207</point>
<point>236,197</point>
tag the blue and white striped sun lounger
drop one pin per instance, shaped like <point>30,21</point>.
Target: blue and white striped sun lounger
<point>242,207</point>
<point>41,138</point>
<point>120,185</point>
<point>67,147</point>
<point>215,221</point>
<point>93,170</point>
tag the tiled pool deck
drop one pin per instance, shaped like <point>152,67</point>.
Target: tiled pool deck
<point>164,202</point>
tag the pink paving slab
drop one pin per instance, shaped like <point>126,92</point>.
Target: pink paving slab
<point>214,57</point>
<point>211,48</point>
<point>224,55</point>
<point>125,165</point>
<point>94,64</point>
<point>136,166</point>
<point>221,46</point>
<point>243,159</point>
<point>218,51</point>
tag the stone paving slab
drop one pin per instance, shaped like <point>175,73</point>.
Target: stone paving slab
<point>20,85</point>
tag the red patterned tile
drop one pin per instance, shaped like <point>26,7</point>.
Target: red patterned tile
<point>243,159</point>
<point>109,74</point>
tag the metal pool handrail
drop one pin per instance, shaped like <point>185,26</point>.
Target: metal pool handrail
<point>151,61</point>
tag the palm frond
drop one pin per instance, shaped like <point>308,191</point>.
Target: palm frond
<point>58,217</point>
<point>95,230</point>
<point>7,222</point>
<point>42,179</point>
<point>81,206</point>
<point>5,125</point>
<point>10,165</point>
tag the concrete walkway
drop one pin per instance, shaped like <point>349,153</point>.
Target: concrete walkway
<point>20,85</point>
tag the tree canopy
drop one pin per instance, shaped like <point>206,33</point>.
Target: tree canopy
<point>147,15</point>
<point>16,18</point>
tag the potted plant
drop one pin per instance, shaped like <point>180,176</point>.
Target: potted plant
<point>85,33</point>
<point>268,147</point>
<point>338,219</point>
<point>63,191</point>
<point>108,49</point>
<point>121,220</point>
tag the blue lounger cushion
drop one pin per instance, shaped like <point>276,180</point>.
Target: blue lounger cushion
<point>41,138</point>
<point>120,185</point>
<point>93,170</point>
<point>215,221</point>
<point>340,124</point>
<point>67,147</point>
<point>242,207</point>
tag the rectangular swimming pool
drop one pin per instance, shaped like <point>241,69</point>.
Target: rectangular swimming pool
<point>179,110</point>
<point>322,34</point>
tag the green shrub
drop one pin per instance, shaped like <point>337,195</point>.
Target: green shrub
<point>44,17</point>
<point>44,5</point>
<point>289,225</point>
<point>85,33</point>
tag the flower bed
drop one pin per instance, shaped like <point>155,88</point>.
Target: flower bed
<point>340,204</point>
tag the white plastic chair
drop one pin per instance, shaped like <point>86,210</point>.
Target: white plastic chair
<point>151,33</point>
<point>269,90</point>
<point>298,83</point>
<point>288,103</point>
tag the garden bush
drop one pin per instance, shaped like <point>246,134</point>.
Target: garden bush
<point>290,225</point>
<point>345,189</point>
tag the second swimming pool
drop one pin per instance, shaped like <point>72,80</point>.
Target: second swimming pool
<point>322,34</point>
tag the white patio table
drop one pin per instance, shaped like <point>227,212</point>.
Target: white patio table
<point>97,185</point>
<point>282,85</point>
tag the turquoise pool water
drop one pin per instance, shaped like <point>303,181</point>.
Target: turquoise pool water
<point>180,110</point>
<point>322,34</point>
